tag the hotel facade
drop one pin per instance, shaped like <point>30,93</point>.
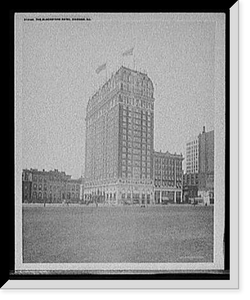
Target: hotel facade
<point>120,140</point>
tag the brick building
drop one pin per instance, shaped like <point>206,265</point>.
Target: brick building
<point>49,186</point>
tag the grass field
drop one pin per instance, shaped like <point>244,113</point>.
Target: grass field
<point>80,234</point>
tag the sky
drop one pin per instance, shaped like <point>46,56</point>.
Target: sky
<point>59,59</point>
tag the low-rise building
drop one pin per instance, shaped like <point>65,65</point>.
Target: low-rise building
<point>190,186</point>
<point>49,186</point>
<point>167,177</point>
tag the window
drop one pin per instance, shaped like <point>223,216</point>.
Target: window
<point>136,163</point>
<point>136,157</point>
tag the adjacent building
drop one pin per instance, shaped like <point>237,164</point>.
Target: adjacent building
<point>192,156</point>
<point>49,186</point>
<point>206,165</point>
<point>167,177</point>
<point>190,186</point>
<point>120,140</point>
<point>199,177</point>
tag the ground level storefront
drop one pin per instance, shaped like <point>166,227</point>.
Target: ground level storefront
<point>165,196</point>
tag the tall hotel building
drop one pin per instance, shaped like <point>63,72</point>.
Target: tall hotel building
<point>120,140</point>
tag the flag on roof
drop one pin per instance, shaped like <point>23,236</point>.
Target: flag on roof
<point>101,68</point>
<point>128,52</point>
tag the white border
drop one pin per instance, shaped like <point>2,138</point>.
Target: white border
<point>233,282</point>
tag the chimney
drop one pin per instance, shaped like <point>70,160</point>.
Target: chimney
<point>203,129</point>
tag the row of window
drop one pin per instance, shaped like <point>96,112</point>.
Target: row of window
<point>137,114</point>
<point>136,161</point>
<point>136,123</point>
<point>40,187</point>
<point>167,161</point>
<point>171,178</point>
<point>136,167</point>
<point>136,102</point>
<point>37,178</point>
<point>44,195</point>
<point>129,151</point>
<point>165,183</point>
<point>135,175</point>
<point>169,174</point>
<point>137,132</point>
<point>136,156</point>
<point>137,142</point>
<point>167,167</point>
